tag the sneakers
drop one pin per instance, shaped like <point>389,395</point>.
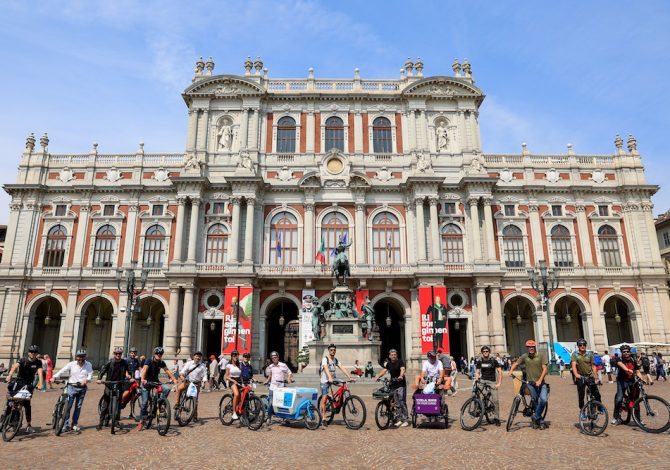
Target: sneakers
<point>616,422</point>
<point>139,426</point>
<point>235,416</point>
<point>76,428</point>
<point>542,425</point>
<point>582,416</point>
<point>398,423</point>
<point>30,430</point>
<point>534,423</point>
<point>404,424</point>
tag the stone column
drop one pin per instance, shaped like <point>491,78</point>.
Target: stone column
<point>235,233</point>
<point>244,133</point>
<point>253,133</point>
<point>193,231</point>
<point>412,144</point>
<point>82,228</point>
<point>420,230</point>
<point>171,335</point>
<point>498,338</point>
<point>649,229</point>
<point>474,224</point>
<point>481,320</point>
<point>12,225</point>
<point>187,321</point>
<point>358,132</point>
<point>249,232</point>
<point>599,329</point>
<point>434,230</point>
<point>584,238</point>
<point>179,230</point>
<point>129,237</point>
<point>488,230</point>
<point>361,233</point>
<point>308,255</point>
<point>588,322</point>
<point>203,122</point>
<point>309,128</point>
<point>411,222</point>
<point>67,341</point>
<point>192,129</point>
<point>536,233</point>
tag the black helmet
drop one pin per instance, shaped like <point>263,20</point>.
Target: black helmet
<point>34,349</point>
<point>581,341</point>
<point>159,350</point>
<point>235,352</point>
<point>431,354</point>
<point>133,349</point>
<point>624,347</point>
<point>246,355</point>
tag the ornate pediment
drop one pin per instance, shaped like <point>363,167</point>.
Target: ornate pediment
<point>222,86</point>
<point>443,87</point>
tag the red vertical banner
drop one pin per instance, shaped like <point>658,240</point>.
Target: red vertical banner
<point>434,326</point>
<point>361,297</point>
<point>230,324</point>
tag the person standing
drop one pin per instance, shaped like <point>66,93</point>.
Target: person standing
<point>396,368</point>
<point>660,367</point>
<point>223,362</point>
<point>133,364</point>
<point>645,365</point>
<point>607,364</point>
<point>277,374</point>
<point>49,370</point>
<point>584,368</point>
<point>213,373</point>
<point>80,373</point>
<point>28,369</point>
<point>626,368</point>
<point>489,371</point>
<point>536,371</point>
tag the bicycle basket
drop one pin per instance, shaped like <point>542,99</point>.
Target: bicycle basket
<point>381,393</point>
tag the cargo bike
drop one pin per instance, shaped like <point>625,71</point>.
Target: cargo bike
<point>297,404</point>
<point>429,405</point>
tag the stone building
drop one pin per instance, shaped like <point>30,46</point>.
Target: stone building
<point>274,170</point>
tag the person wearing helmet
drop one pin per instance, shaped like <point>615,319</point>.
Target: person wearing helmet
<point>193,372</point>
<point>150,371</point>
<point>584,368</point>
<point>27,369</point>
<point>432,370</point>
<point>277,374</point>
<point>536,370</point>
<point>80,373</point>
<point>489,371</point>
<point>114,371</point>
<point>627,368</point>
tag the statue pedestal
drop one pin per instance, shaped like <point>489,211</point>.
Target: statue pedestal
<point>347,335</point>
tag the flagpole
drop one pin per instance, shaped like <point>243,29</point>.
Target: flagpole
<point>432,309</point>
<point>237,318</point>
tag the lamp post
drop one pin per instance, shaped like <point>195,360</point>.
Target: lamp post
<point>127,282</point>
<point>545,281</point>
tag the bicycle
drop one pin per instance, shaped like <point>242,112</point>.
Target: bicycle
<point>110,410</point>
<point>158,408</point>
<point>250,408</point>
<point>477,407</point>
<point>528,408</point>
<point>656,417</point>
<point>61,409</point>
<point>352,406</point>
<point>387,410</point>
<point>12,419</point>
<point>593,412</point>
<point>186,406</point>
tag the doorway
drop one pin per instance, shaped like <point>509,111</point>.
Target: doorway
<point>458,339</point>
<point>390,324</point>
<point>211,337</point>
<point>282,332</point>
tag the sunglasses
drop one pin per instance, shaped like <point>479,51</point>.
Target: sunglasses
<point>117,354</point>
<point>486,351</point>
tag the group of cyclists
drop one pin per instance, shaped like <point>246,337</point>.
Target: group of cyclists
<point>435,377</point>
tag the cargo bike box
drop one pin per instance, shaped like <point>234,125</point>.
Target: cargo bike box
<point>287,401</point>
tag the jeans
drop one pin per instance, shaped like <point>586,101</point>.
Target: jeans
<point>541,397</point>
<point>270,404</point>
<point>75,393</point>
<point>145,397</point>
<point>621,387</point>
<point>400,395</point>
<point>494,397</point>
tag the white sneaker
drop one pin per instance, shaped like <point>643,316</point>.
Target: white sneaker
<point>398,423</point>
<point>76,429</point>
<point>404,424</point>
<point>235,416</point>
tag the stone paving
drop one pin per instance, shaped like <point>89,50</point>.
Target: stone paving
<point>208,444</point>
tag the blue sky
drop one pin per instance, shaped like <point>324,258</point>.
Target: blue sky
<point>554,72</point>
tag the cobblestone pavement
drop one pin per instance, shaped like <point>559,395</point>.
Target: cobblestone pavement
<point>208,444</point>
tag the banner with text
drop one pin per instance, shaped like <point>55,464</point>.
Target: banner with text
<point>306,333</point>
<point>237,316</point>
<point>361,297</point>
<point>434,328</point>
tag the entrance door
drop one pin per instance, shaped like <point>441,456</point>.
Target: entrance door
<point>458,338</point>
<point>211,340</point>
<point>391,326</point>
<point>279,326</point>
<point>292,343</point>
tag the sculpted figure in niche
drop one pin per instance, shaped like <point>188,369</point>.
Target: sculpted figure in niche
<point>441,132</point>
<point>225,136</point>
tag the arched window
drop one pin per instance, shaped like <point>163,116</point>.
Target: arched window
<point>452,244</point>
<point>154,247</point>
<point>105,247</point>
<point>217,244</point>
<point>609,246</point>
<point>381,135</point>
<point>561,246</point>
<point>284,239</point>
<point>334,134</point>
<point>513,247</point>
<point>286,135</point>
<point>333,227</point>
<point>385,239</point>
<point>54,251</point>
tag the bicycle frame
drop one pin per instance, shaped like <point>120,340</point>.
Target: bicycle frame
<point>338,395</point>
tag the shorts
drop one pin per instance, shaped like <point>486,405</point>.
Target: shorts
<point>325,388</point>
<point>646,369</point>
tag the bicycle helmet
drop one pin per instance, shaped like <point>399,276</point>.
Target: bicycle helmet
<point>197,353</point>
<point>531,344</point>
<point>235,353</point>
<point>81,353</point>
<point>431,354</point>
<point>118,350</point>
<point>274,354</point>
<point>34,349</point>
<point>485,348</point>
<point>624,347</point>
<point>246,354</point>
<point>581,341</point>
<point>133,349</point>
<point>159,350</point>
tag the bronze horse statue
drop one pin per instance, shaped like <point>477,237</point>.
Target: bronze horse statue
<point>340,266</point>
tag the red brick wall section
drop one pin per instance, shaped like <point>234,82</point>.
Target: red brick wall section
<point>580,259</point>
<point>398,133</point>
<point>38,245</point>
<point>73,239</point>
<point>531,251</point>
<point>543,232</point>
<point>317,132</point>
<point>173,232</point>
<point>366,146</point>
<point>625,242</point>
<point>592,240</point>
<point>268,139</point>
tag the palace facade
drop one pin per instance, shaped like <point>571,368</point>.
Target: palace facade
<point>275,172</point>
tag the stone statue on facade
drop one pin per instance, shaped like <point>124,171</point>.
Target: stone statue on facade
<point>340,266</point>
<point>476,166</point>
<point>368,316</point>
<point>423,163</point>
<point>225,136</point>
<point>191,162</point>
<point>442,137</point>
<point>245,162</point>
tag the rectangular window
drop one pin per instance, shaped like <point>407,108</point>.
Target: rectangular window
<point>218,208</point>
<point>108,209</point>
<point>666,238</point>
<point>60,209</point>
<point>157,209</point>
<point>450,207</point>
<point>603,211</point>
<point>509,210</point>
<point>556,211</point>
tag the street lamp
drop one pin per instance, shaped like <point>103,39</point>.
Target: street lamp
<point>545,281</point>
<point>127,282</point>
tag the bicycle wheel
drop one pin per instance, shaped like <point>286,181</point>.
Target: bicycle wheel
<point>626,411</point>
<point>652,414</point>
<point>513,411</point>
<point>593,418</point>
<point>12,424</point>
<point>63,414</point>
<point>185,411</point>
<point>136,407</point>
<point>312,417</point>
<point>354,412</point>
<point>489,410</point>
<point>226,410</point>
<point>330,409</point>
<point>445,415</point>
<point>113,414</point>
<point>102,411</point>
<point>254,412</point>
<point>414,419</point>
<point>472,414</point>
<point>163,414</point>
<point>383,415</point>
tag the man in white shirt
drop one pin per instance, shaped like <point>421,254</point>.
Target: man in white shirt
<point>80,373</point>
<point>278,373</point>
<point>607,364</point>
<point>432,370</point>
<point>194,371</point>
<point>223,362</point>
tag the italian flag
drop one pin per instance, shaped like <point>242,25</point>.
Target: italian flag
<point>321,254</point>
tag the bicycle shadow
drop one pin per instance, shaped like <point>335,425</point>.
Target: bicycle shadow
<point>603,434</point>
